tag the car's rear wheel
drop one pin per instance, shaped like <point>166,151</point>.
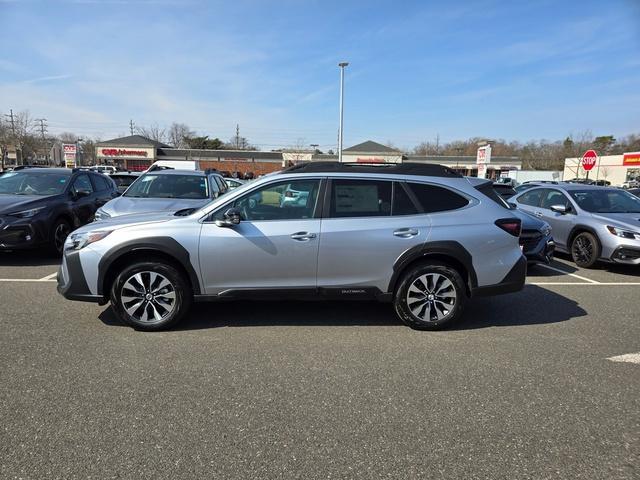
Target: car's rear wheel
<point>585,250</point>
<point>59,233</point>
<point>430,296</point>
<point>151,296</point>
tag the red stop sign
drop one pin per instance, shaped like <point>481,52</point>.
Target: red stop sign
<point>589,159</point>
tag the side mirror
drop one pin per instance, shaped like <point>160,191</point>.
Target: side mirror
<point>231,218</point>
<point>513,205</point>
<point>559,209</point>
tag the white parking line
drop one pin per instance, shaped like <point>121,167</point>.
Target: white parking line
<point>567,273</point>
<point>49,277</point>
<point>628,358</point>
<point>32,280</point>
<point>597,284</point>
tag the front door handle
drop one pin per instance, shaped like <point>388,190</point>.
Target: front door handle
<point>538,214</point>
<point>406,232</point>
<point>303,236</point>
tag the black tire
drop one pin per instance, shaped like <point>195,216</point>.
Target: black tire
<point>585,249</point>
<point>136,282</point>
<point>434,311</point>
<point>59,233</point>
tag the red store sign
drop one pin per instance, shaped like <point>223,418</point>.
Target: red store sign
<point>121,152</point>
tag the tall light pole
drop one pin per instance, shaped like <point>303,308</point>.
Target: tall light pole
<point>341,65</point>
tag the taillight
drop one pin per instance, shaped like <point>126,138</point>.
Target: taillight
<point>510,225</point>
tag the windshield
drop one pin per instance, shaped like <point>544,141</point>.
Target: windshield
<point>606,201</point>
<point>169,186</point>
<point>33,183</point>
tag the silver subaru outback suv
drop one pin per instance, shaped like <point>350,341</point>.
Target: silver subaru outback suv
<point>420,236</point>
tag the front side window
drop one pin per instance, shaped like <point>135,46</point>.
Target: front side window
<point>169,186</point>
<point>531,198</point>
<point>555,197</point>
<point>437,199</point>
<point>288,200</point>
<point>32,183</point>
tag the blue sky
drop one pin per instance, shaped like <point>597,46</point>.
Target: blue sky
<point>517,70</point>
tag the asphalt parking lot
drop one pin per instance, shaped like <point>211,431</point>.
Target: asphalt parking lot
<point>531,385</point>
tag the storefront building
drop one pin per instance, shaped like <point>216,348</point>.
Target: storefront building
<point>137,153</point>
<point>616,169</point>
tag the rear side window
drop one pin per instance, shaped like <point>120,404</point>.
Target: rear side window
<point>101,183</point>
<point>437,199</point>
<point>402,203</point>
<point>531,198</point>
<point>360,198</point>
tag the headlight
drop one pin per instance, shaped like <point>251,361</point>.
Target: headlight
<point>28,213</point>
<point>101,215</point>
<point>77,241</point>
<point>619,232</point>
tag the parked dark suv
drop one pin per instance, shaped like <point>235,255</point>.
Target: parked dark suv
<point>39,207</point>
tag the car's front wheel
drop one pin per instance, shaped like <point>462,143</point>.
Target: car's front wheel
<point>585,250</point>
<point>151,296</point>
<point>59,234</point>
<point>430,296</point>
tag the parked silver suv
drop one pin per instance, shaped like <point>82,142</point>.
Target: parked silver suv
<point>420,236</point>
<point>591,223</point>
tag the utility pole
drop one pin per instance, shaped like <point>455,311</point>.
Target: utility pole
<point>341,65</point>
<point>132,126</point>
<point>237,136</point>
<point>43,131</point>
<point>13,125</point>
<point>13,132</point>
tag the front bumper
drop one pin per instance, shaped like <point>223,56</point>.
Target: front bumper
<point>537,247</point>
<point>627,255</point>
<point>22,233</point>
<point>72,283</point>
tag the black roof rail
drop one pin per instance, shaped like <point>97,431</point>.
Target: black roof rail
<point>406,168</point>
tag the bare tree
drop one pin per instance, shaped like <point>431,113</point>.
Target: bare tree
<point>68,137</point>
<point>178,135</point>
<point>153,132</point>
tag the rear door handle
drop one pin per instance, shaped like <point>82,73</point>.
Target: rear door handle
<point>303,236</point>
<point>406,232</point>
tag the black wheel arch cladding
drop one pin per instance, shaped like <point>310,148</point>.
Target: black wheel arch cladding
<point>165,246</point>
<point>439,249</point>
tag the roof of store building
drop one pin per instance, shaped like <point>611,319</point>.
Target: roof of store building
<point>134,141</point>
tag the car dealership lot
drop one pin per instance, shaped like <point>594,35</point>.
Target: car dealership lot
<point>522,389</point>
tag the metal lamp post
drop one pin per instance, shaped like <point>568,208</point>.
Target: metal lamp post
<point>341,65</point>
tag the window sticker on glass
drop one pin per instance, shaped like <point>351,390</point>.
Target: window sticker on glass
<point>356,198</point>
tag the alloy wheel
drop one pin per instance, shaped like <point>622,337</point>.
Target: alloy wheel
<point>582,249</point>
<point>431,297</point>
<point>148,297</point>
<point>60,235</point>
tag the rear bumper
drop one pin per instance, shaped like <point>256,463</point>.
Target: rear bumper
<point>512,282</point>
<point>72,284</point>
